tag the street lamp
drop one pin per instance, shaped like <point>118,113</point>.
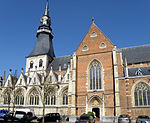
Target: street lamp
<point>44,95</point>
<point>13,88</point>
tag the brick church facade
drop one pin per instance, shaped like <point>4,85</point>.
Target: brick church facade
<point>98,77</point>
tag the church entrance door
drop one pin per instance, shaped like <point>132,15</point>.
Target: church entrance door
<point>97,112</point>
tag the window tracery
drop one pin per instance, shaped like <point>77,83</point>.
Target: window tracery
<point>95,75</point>
<point>50,98</point>
<point>19,98</point>
<point>65,98</point>
<point>34,98</point>
<point>7,98</point>
<point>142,94</point>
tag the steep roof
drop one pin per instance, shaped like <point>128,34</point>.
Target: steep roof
<point>43,46</point>
<point>63,61</point>
<point>139,71</point>
<point>93,40</point>
<point>139,54</point>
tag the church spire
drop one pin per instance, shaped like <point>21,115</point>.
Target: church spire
<point>44,43</point>
<point>45,20</point>
<point>46,13</point>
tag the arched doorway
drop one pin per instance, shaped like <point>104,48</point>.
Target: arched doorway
<point>95,105</point>
<point>97,112</point>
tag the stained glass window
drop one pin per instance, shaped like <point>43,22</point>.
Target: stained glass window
<point>95,76</point>
<point>142,94</point>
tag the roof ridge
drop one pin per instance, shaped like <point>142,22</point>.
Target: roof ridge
<point>134,47</point>
<point>62,56</point>
<point>139,67</point>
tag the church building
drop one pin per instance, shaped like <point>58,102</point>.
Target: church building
<point>97,77</point>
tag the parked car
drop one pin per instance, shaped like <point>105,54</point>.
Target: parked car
<point>124,118</point>
<point>143,119</point>
<point>86,118</point>
<point>9,116</point>
<point>50,117</point>
<point>3,113</point>
<point>24,115</point>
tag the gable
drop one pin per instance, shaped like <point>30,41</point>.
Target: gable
<point>8,82</point>
<point>94,42</point>
<point>21,80</point>
<point>52,77</point>
<point>36,79</point>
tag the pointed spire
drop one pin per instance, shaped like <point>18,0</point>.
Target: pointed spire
<point>44,35</point>
<point>46,9</point>
<point>45,20</point>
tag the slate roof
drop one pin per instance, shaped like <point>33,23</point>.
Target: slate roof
<point>139,54</point>
<point>139,71</point>
<point>63,61</point>
<point>43,46</point>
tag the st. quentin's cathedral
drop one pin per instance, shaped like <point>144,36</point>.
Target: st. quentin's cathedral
<point>97,77</point>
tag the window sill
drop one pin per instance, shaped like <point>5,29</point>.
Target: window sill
<point>98,90</point>
<point>141,106</point>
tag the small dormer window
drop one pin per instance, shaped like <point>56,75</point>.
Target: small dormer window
<point>31,64</point>
<point>94,34</point>
<point>138,72</point>
<point>102,45</point>
<point>65,66</point>
<point>40,63</point>
<point>85,48</point>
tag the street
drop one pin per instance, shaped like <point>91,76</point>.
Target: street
<point>2,121</point>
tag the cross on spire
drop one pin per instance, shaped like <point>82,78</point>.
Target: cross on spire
<point>93,20</point>
<point>46,9</point>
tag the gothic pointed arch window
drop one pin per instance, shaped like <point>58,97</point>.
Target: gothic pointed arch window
<point>50,98</point>
<point>7,98</point>
<point>40,63</point>
<point>142,94</point>
<point>95,76</point>
<point>65,97</point>
<point>34,98</point>
<point>19,98</point>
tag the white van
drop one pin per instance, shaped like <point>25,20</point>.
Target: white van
<point>24,115</point>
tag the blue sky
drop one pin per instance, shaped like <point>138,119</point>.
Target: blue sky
<point>125,22</point>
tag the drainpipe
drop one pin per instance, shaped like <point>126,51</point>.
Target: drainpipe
<point>114,86</point>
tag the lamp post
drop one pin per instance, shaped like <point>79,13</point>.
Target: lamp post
<point>13,88</point>
<point>44,95</point>
<point>43,102</point>
<point>8,94</point>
